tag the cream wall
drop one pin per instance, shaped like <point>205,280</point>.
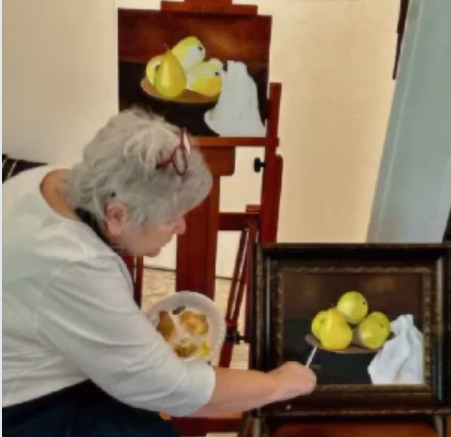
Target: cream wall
<point>334,59</point>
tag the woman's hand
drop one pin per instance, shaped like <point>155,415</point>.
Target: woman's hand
<point>293,380</point>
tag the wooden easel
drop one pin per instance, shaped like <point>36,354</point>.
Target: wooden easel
<point>196,249</point>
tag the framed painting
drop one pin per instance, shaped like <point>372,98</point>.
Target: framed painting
<point>206,72</point>
<point>373,322</point>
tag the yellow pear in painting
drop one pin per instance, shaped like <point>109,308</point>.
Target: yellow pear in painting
<point>335,333</point>
<point>206,78</point>
<point>190,52</point>
<point>152,67</point>
<point>353,306</point>
<point>317,323</point>
<point>382,318</point>
<point>170,78</point>
<point>370,333</point>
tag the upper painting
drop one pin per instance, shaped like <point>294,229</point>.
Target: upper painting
<point>205,72</point>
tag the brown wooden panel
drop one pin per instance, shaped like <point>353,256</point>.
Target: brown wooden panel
<point>191,427</point>
<point>196,249</point>
<point>272,175</point>
<point>363,429</point>
<point>275,94</point>
<point>220,160</point>
<point>324,428</point>
<point>209,6</point>
<point>236,221</point>
<point>271,200</point>
<point>208,142</point>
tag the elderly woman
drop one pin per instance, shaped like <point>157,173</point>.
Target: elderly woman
<point>80,359</point>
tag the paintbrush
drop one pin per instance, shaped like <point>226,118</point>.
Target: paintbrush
<point>311,356</point>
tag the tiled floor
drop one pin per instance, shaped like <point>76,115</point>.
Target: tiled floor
<point>160,283</point>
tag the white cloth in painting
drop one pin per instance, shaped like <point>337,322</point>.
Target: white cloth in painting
<point>400,361</point>
<point>237,111</point>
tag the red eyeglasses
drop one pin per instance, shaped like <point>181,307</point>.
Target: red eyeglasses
<point>178,157</point>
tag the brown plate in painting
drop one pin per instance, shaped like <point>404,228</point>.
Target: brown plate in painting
<point>187,97</point>
<point>353,349</point>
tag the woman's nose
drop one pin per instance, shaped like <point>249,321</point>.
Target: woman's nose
<point>180,226</point>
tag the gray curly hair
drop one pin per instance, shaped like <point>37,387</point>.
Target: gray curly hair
<point>120,164</point>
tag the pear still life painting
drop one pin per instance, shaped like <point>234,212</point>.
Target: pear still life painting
<point>205,72</point>
<point>369,319</point>
<point>367,326</point>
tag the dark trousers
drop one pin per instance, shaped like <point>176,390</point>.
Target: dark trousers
<point>83,410</point>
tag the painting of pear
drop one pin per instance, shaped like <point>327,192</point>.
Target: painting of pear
<point>206,78</point>
<point>152,67</point>
<point>335,333</point>
<point>317,323</point>
<point>170,78</point>
<point>190,52</point>
<point>370,333</point>
<point>382,318</point>
<point>353,306</point>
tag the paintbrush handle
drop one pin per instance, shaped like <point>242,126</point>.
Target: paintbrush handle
<point>311,356</point>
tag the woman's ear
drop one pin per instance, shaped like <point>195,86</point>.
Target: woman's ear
<point>116,218</point>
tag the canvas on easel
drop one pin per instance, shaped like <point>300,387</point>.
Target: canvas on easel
<point>206,72</point>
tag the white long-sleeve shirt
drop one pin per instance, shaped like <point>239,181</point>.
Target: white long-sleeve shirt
<point>69,315</point>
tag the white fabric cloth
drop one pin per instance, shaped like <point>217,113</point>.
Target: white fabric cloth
<point>400,361</point>
<point>237,111</point>
<point>69,315</point>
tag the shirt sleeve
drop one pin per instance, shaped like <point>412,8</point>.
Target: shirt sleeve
<point>89,315</point>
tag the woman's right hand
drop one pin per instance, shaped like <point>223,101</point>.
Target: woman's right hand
<point>293,380</point>
<point>239,390</point>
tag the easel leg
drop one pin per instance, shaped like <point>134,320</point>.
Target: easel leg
<point>246,421</point>
<point>257,425</point>
<point>261,429</point>
<point>256,428</point>
<point>440,425</point>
